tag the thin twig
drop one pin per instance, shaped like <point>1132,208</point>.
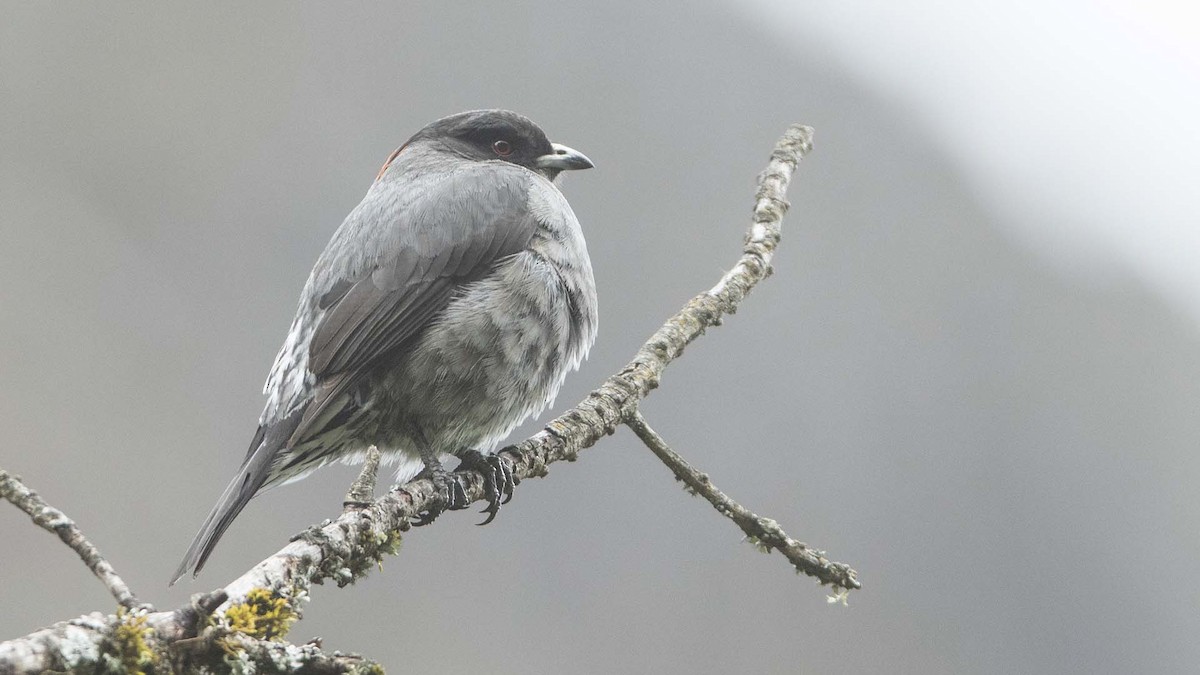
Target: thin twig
<point>762,531</point>
<point>49,518</point>
<point>362,491</point>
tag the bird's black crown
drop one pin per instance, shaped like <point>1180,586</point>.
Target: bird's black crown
<point>490,134</point>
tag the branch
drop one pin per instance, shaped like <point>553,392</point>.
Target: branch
<point>764,532</point>
<point>308,659</point>
<point>347,548</point>
<point>51,519</point>
<point>362,491</point>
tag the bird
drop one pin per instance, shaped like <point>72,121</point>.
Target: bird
<point>447,308</point>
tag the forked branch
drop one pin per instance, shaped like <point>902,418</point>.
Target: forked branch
<point>347,548</point>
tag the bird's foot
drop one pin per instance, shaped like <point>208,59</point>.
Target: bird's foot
<point>498,479</point>
<point>451,495</point>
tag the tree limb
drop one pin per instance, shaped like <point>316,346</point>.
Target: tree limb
<point>347,548</point>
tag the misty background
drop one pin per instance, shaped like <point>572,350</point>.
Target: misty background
<point>974,376</point>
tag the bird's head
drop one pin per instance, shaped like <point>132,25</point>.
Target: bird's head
<point>487,135</point>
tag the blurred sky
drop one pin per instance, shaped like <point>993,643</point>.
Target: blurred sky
<point>975,374</point>
<point>1073,120</point>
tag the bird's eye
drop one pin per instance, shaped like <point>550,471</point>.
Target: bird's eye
<point>502,148</point>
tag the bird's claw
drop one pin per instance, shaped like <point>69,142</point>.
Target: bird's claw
<point>498,479</point>
<point>451,495</point>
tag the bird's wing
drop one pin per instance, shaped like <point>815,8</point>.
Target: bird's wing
<point>392,266</point>
<point>453,235</point>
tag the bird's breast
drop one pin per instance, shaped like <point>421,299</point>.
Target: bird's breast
<point>497,354</point>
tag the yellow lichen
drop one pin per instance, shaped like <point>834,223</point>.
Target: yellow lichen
<point>262,614</point>
<point>129,651</point>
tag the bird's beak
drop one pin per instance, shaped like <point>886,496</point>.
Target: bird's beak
<point>563,159</point>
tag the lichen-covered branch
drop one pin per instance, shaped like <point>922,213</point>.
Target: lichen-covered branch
<point>246,639</point>
<point>764,532</point>
<point>51,519</point>
<point>268,656</point>
<point>345,549</point>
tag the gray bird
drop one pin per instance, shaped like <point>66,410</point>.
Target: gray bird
<point>447,308</point>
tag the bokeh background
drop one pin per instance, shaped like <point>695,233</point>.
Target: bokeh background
<point>975,374</point>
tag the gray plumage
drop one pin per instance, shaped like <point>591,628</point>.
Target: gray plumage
<point>447,308</point>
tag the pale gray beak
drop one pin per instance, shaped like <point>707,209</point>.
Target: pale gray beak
<point>563,159</point>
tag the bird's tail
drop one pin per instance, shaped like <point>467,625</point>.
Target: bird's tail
<point>253,473</point>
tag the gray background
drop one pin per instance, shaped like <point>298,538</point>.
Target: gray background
<point>1004,449</point>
